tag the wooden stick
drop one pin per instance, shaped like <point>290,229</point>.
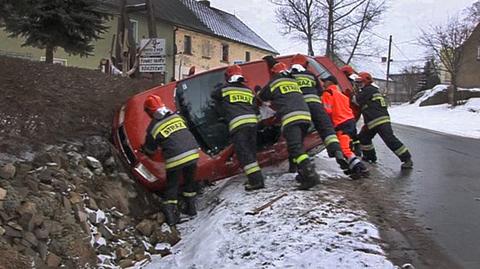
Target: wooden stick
<point>265,206</point>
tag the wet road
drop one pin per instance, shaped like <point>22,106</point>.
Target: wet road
<point>441,193</point>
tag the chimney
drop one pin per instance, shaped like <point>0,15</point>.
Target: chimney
<point>205,2</point>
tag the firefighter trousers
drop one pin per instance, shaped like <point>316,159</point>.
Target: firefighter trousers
<point>294,134</point>
<point>324,126</point>
<point>386,133</point>
<point>349,127</point>
<point>173,182</point>
<point>245,144</point>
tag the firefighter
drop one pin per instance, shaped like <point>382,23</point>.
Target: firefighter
<point>377,120</point>
<point>351,76</point>
<point>168,131</point>
<point>312,90</point>
<point>338,108</point>
<point>237,104</point>
<point>287,100</point>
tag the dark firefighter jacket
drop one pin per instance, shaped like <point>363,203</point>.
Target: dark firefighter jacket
<point>309,85</point>
<point>178,145</point>
<point>373,106</point>
<point>287,100</point>
<point>238,105</point>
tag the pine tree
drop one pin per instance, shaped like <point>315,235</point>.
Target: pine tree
<point>50,24</point>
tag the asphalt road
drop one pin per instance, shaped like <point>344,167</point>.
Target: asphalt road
<point>441,193</point>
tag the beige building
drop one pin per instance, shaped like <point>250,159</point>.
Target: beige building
<point>469,74</point>
<point>196,35</point>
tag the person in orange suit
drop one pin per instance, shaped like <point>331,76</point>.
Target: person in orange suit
<point>337,106</point>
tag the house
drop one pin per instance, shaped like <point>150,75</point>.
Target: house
<point>195,33</point>
<point>469,74</point>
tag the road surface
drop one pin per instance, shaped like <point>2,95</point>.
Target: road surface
<point>435,206</point>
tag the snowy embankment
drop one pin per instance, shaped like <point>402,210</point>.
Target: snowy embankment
<point>302,229</point>
<point>463,120</point>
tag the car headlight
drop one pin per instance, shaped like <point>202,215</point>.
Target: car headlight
<point>121,115</point>
<point>143,171</point>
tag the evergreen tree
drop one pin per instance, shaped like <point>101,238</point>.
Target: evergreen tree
<point>49,24</point>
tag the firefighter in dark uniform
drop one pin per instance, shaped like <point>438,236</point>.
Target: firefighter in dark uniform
<point>287,100</point>
<point>168,131</point>
<point>237,103</point>
<point>377,120</point>
<point>312,90</point>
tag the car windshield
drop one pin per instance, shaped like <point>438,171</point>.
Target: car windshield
<point>193,98</point>
<point>321,71</point>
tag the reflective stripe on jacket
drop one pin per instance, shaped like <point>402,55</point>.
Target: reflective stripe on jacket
<point>172,135</point>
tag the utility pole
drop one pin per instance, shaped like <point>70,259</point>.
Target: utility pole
<point>152,31</point>
<point>388,62</point>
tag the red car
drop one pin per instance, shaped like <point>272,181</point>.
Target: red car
<point>191,98</point>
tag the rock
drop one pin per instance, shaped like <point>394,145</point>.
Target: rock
<point>11,232</point>
<point>42,250</point>
<point>15,226</point>
<point>66,204</point>
<point>139,257</point>
<point>30,238</point>
<point>41,233</point>
<point>3,194</point>
<point>7,171</point>
<point>121,253</point>
<point>46,176</point>
<point>94,163</point>
<point>110,162</point>
<point>85,173</point>
<point>98,171</point>
<point>75,158</point>
<point>2,231</point>
<point>53,227</point>
<point>105,232</point>
<point>53,260</point>
<point>4,216</point>
<point>81,215</point>
<point>125,263</point>
<point>92,204</point>
<point>122,224</point>
<point>97,147</point>
<point>145,227</point>
<point>104,249</point>
<point>75,198</point>
<point>92,217</point>
<point>26,207</point>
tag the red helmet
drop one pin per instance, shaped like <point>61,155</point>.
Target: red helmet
<point>365,78</point>
<point>347,70</point>
<point>153,103</point>
<point>233,71</point>
<point>279,68</point>
<point>300,59</point>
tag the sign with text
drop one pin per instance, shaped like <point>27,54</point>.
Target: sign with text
<point>153,55</point>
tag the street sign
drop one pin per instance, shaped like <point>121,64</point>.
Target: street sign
<point>152,68</point>
<point>153,55</point>
<point>156,47</point>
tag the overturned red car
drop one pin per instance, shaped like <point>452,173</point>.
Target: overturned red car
<point>190,97</point>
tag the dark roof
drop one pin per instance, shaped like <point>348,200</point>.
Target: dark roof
<point>201,17</point>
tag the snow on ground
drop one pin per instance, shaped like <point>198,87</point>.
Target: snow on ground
<point>304,229</point>
<point>463,120</point>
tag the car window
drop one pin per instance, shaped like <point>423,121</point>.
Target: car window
<point>318,69</point>
<point>193,98</point>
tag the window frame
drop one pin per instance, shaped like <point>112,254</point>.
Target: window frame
<point>187,44</point>
<point>134,26</point>
<point>225,52</point>
<point>247,56</point>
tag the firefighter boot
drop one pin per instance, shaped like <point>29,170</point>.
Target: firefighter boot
<point>292,166</point>
<point>170,210</point>
<point>309,176</point>
<point>408,164</point>
<point>190,203</point>
<point>255,182</point>
<point>341,160</point>
<point>358,169</point>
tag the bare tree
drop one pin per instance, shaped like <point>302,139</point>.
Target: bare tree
<point>341,24</point>
<point>302,18</point>
<point>446,44</point>
<point>473,13</point>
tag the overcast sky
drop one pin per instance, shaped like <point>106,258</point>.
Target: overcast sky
<point>403,20</point>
